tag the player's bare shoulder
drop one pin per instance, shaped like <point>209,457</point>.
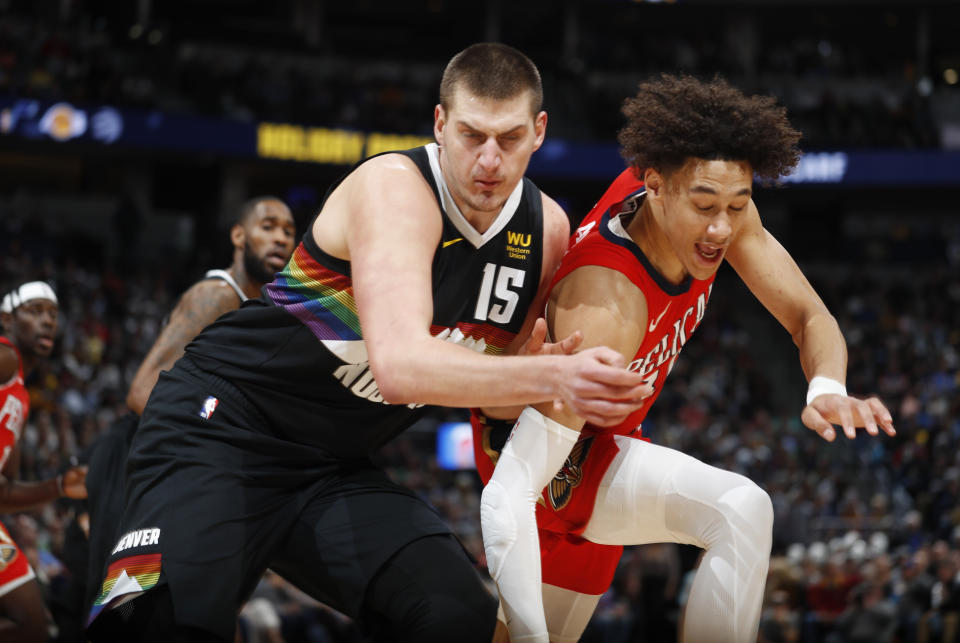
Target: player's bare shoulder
<point>373,194</point>
<point>604,303</point>
<point>9,363</point>
<point>204,301</point>
<point>379,177</point>
<point>556,234</point>
<point>750,245</point>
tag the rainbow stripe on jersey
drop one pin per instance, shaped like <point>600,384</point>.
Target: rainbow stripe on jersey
<point>495,339</point>
<point>319,297</point>
<point>144,569</point>
<point>322,299</point>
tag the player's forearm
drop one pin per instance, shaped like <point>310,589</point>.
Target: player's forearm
<point>161,358</point>
<point>139,393</point>
<point>437,372</point>
<point>19,496</point>
<point>822,348</point>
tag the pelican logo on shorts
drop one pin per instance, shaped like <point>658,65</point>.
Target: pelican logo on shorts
<point>8,553</point>
<point>209,406</point>
<point>570,475</point>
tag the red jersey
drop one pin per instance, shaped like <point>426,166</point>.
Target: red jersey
<point>673,310</point>
<point>14,406</point>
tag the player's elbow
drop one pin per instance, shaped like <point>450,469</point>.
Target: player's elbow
<point>391,371</point>
<point>393,391</point>
<point>815,322</point>
<point>136,400</point>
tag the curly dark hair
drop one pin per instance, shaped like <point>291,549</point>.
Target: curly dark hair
<point>674,118</point>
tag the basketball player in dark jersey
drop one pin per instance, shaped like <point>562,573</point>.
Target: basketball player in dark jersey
<point>262,236</point>
<point>254,450</point>
<point>637,277</point>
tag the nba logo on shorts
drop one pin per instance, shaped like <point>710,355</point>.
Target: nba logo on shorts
<point>209,406</point>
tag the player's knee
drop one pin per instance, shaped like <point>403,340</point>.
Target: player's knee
<point>24,613</point>
<point>439,615</point>
<point>752,510</point>
<point>33,630</point>
<point>430,591</point>
<point>445,619</point>
<point>499,526</point>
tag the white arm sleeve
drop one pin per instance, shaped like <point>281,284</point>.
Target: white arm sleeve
<point>534,452</point>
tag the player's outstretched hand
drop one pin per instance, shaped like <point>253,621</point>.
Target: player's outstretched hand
<point>596,386</point>
<point>849,412</point>
<point>536,344</point>
<point>75,483</point>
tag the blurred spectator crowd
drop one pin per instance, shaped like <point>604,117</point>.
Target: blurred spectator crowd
<point>850,77</point>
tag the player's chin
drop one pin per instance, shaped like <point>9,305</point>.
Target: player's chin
<point>488,202</point>
<point>42,349</point>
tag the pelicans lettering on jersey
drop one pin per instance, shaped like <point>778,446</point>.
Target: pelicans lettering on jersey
<point>675,311</point>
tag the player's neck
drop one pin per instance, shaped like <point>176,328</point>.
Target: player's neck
<point>647,233</point>
<point>480,221</point>
<point>249,287</point>
<point>27,361</point>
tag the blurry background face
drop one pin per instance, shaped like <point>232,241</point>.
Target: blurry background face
<point>34,326</point>
<point>268,240</point>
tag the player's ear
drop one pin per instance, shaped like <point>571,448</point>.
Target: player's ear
<point>439,121</point>
<point>238,236</point>
<point>539,129</point>
<point>653,182</point>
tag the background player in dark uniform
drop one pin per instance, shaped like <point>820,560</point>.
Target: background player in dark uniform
<point>254,449</point>
<point>262,237</point>
<point>637,278</point>
<point>28,315</point>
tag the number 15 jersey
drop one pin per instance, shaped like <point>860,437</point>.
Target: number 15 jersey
<point>298,352</point>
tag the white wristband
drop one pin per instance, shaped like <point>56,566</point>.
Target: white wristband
<point>820,385</point>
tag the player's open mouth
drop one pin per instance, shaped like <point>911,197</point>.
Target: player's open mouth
<point>276,260</point>
<point>486,185</point>
<point>709,252</point>
<point>45,342</point>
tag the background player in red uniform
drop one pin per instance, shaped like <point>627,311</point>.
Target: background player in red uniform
<point>637,278</point>
<point>28,315</point>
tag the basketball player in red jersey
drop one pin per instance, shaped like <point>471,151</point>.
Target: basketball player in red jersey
<point>28,315</point>
<point>637,278</point>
